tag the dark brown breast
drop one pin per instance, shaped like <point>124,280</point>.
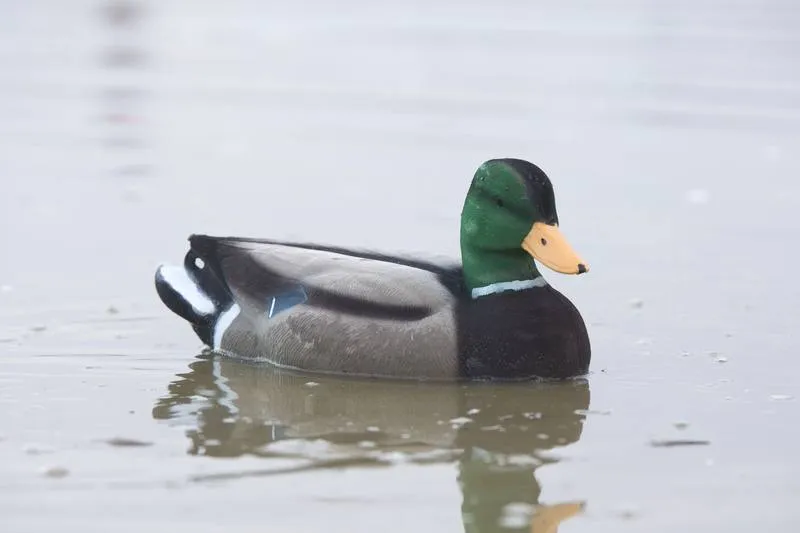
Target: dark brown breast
<point>520,335</point>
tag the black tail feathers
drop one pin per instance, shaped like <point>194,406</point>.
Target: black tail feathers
<point>196,292</point>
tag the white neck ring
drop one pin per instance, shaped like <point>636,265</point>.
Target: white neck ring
<point>519,285</point>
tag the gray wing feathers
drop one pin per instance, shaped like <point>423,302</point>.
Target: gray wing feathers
<point>330,339</point>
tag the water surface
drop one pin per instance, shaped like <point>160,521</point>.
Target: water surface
<point>669,131</point>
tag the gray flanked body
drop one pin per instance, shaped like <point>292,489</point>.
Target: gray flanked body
<point>322,311</point>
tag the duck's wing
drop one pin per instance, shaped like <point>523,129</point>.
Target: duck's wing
<point>318,308</point>
<point>263,267</point>
<point>262,273</point>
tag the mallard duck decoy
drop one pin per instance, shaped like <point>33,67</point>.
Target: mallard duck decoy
<point>327,309</point>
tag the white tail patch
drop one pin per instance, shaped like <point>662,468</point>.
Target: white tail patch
<point>223,323</point>
<point>177,278</point>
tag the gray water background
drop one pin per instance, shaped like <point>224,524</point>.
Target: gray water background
<point>669,129</point>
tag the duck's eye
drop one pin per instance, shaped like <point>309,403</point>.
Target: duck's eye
<point>499,202</point>
<point>544,241</point>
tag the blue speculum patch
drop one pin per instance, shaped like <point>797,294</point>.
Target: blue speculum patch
<point>287,300</point>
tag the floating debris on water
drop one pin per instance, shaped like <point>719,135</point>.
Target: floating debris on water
<point>717,357</point>
<point>532,416</point>
<point>39,328</point>
<point>373,429</point>
<point>473,411</point>
<point>672,443</point>
<point>312,384</point>
<point>112,310</point>
<point>37,449</point>
<point>123,442</point>
<point>636,303</point>
<point>55,472</point>
<point>780,397</point>
<point>681,425</point>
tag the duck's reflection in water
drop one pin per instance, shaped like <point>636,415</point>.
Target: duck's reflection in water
<point>495,433</point>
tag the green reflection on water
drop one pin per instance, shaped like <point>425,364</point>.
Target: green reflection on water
<point>497,434</point>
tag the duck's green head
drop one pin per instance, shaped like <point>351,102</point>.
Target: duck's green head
<point>508,220</point>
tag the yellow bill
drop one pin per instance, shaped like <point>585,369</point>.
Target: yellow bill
<point>548,245</point>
